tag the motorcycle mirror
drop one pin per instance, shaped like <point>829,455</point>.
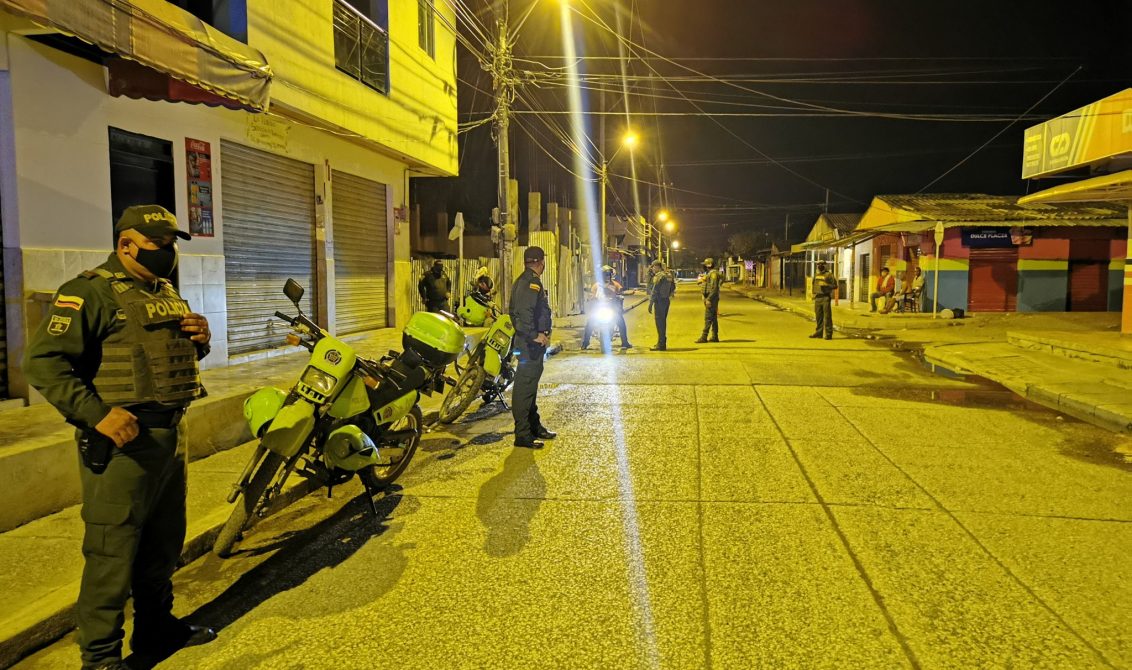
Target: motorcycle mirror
<point>294,292</point>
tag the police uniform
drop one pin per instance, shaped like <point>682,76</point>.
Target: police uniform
<point>530,313</point>
<point>712,283</point>
<point>111,340</point>
<point>435,291</point>
<point>824,285</point>
<point>663,287</point>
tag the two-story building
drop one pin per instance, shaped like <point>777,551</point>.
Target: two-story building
<point>282,134</point>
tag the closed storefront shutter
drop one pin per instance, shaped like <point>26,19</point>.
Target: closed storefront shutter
<point>993,280</point>
<point>1088,275</point>
<point>268,219</point>
<point>361,238</point>
<point>3,336</point>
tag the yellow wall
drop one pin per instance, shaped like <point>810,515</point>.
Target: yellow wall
<point>416,121</point>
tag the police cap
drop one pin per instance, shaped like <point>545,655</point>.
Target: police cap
<point>533,255</point>
<point>153,221</point>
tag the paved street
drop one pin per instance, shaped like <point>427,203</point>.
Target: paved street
<point>771,501</point>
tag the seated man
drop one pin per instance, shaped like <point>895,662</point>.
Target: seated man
<point>886,287</point>
<point>609,292</point>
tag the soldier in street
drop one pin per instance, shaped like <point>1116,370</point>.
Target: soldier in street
<point>530,313</point>
<point>825,285</point>
<point>117,356</point>
<point>435,288</point>
<point>662,288</point>
<point>712,281</point>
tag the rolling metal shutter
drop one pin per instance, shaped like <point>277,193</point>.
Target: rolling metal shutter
<point>1088,275</point>
<point>268,210</point>
<point>361,238</point>
<point>993,280</point>
<point>3,335</point>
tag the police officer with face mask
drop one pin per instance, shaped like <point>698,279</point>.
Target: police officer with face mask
<point>435,287</point>
<point>711,281</point>
<point>117,356</point>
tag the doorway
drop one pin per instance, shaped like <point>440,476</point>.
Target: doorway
<point>141,172</point>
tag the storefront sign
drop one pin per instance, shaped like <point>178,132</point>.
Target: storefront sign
<point>198,154</point>
<point>269,132</point>
<point>989,238</point>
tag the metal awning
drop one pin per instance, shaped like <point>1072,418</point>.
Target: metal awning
<point>1108,188</point>
<point>846,241</point>
<point>163,37</point>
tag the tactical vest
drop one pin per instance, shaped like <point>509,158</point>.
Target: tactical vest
<point>823,283</point>
<point>712,281</point>
<point>149,358</point>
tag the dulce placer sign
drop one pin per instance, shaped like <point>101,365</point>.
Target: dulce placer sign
<point>198,155</point>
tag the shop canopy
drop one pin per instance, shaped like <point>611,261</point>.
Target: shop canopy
<point>921,213</point>
<point>1095,136</point>
<point>184,58</point>
<point>1110,187</point>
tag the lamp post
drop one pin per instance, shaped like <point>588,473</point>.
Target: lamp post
<point>629,140</point>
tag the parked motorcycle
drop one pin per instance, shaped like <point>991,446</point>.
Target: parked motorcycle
<point>345,415</point>
<point>490,366</point>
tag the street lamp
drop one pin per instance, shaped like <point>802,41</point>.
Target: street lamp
<point>629,140</point>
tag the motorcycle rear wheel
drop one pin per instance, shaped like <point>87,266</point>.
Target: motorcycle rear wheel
<point>246,505</point>
<point>462,394</point>
<point>381,476</point>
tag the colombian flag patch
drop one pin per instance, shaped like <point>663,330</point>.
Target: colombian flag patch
<point>69,302</point>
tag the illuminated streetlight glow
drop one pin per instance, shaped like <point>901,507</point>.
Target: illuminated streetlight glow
<point>631,139</point>
<point>662,215</point>
<point>675,244</point>
<point>670,226</point>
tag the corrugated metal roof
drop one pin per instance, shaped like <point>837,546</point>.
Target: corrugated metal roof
<point>981,207</point>
<point>1106,188</point>
<point>843,223</point>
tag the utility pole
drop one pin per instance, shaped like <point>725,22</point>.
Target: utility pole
<point>604,173</point>
<point>504,92</point>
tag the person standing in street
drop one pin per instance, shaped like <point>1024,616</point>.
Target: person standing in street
<point>435,288</point>
<point>825,285</point>
<point>117,356</point>
<point>607,291</point>
<point>660,299</point>
<point>712,281</point>
<point>530,313</point>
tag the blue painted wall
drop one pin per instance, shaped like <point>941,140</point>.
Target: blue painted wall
<point>1042,290</point>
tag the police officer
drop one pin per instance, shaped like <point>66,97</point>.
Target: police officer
<point>117,356</point>
<point>711,283</point>
<point>663,286</point>
<point>435,287</point>
<point>530,312</point>
<point>824,286</point>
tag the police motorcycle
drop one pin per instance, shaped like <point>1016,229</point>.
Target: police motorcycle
<point>490,366</point>
<point>345,415</point>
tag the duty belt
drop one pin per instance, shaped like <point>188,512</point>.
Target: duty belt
<point>159,419</point>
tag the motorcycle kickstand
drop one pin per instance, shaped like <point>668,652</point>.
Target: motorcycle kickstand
<point>369,496</point>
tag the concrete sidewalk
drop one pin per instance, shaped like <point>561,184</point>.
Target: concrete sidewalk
<point>42,537</point>
<point>1076,363</point>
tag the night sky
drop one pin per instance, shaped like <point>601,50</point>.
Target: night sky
<point>839,82</point>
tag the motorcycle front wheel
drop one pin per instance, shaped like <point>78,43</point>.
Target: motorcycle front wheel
<point>246,505</point>
<point>466,389</point>
<point>381,476</point>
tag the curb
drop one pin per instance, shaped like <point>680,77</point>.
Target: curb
<point>1115,418</point>
<point>49,621</point>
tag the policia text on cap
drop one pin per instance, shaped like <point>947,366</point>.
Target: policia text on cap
<point>117,356</point>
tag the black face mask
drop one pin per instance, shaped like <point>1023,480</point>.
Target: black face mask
<point>160,262</point>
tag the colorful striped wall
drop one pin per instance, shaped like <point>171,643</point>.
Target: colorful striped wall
<point>1043,284</point>
<point>953,275</point>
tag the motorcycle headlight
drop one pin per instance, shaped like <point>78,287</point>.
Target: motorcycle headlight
<point>604,315</point>
<point>318,380</point>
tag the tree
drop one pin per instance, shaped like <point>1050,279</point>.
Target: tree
<point>746,244</point>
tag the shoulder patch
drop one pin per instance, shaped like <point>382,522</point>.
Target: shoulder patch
<point>58,324</point>
<point>69,302</point>
<point>536,287</point>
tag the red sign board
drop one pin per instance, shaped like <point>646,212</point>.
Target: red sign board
<point>198,155</point>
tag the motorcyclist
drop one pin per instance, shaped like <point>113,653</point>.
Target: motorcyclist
<point>607,291</point>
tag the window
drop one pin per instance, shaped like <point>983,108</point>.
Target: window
<point>228,16</point>
<point>361,46</point>
<point>426,21</point>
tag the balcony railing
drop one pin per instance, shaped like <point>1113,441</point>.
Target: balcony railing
<point>361,47</point>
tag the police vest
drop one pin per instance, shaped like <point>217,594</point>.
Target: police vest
<point>149,358</point>
<point>823,283</point>
<point>712,281</point>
